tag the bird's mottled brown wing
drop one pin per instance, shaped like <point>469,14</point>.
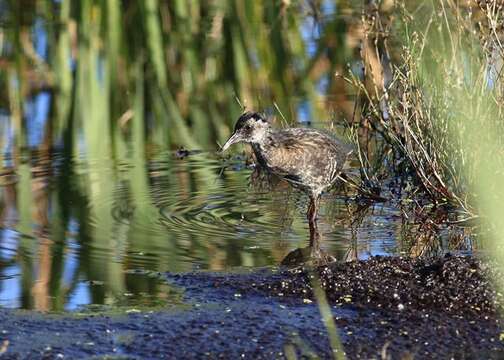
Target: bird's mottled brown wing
<point>307,157</point>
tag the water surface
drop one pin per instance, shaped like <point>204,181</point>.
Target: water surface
<point>74,233</point>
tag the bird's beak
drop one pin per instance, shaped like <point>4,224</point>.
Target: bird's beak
<point>236,137</point>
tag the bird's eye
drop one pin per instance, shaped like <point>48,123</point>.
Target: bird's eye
<point>248,127</point>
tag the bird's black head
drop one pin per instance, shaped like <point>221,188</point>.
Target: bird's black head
<point>251,127</point>
<point>248,118</point>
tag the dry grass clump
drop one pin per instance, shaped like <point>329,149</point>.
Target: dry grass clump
<point>443,85</point>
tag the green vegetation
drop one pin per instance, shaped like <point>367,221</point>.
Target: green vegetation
<point>443,103</point>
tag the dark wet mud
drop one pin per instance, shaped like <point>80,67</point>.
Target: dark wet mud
<point>383,307</point>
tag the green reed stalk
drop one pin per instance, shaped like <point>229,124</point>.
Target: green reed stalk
<point>63,70</point>
<point>327,318</point>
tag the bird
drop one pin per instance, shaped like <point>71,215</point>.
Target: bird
<point>309,159</point>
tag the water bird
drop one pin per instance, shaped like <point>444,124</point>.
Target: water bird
<point>309,159</point>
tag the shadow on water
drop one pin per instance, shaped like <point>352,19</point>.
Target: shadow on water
<point>95,199</point>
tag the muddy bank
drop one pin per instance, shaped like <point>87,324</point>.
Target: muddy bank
<point>392,306</point>
<point>456,285</point>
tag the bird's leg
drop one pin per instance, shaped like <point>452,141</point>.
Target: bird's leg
<point>312,222</point>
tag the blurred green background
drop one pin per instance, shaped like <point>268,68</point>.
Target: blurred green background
<point>170,71</point>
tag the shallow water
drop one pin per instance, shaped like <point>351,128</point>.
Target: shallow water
<point>74,234</point>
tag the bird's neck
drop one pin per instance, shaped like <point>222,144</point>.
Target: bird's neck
<point>265,142</point>
<point>261,147</point>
